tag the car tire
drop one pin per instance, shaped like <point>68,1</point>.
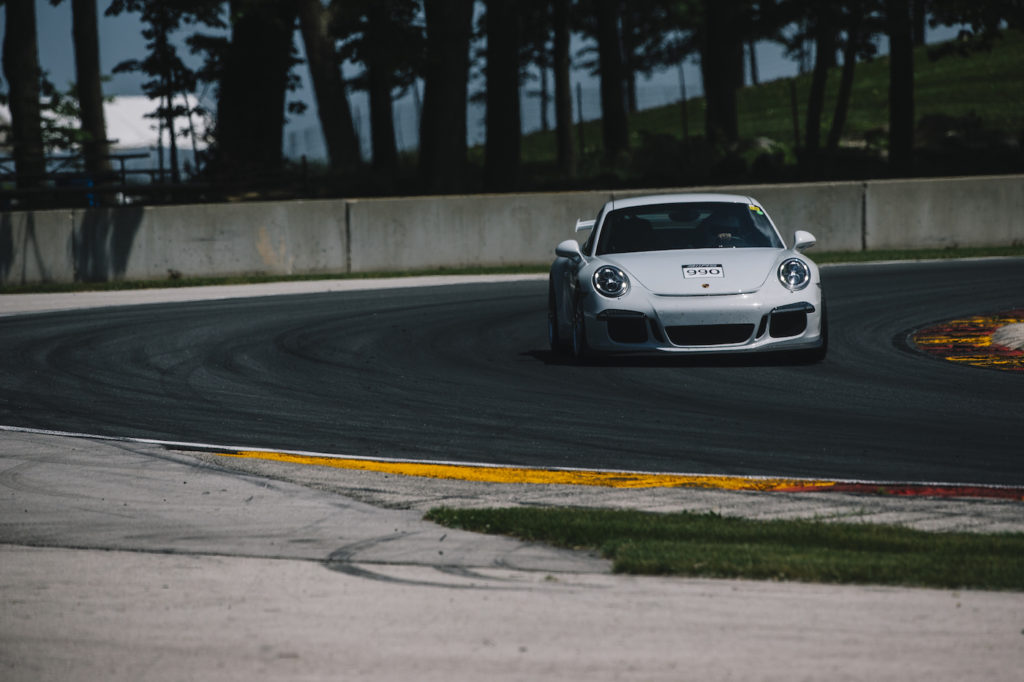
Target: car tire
<point>555,340</point>
<point>578,338</point>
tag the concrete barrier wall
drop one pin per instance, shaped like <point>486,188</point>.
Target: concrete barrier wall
<point>36,247</point>
<point>488,230</point>
<point>165,242</point>
<point>279,238</point>
<point>366,235</point>
<point>944,213</point>
<point>831,211</point>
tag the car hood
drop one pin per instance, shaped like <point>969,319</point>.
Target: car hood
<point>661,272</point>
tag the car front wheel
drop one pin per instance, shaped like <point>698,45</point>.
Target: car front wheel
<point>554,339</point>
<point>578,341</point>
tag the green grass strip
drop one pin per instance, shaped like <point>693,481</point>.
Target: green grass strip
<point>709,545</point>
<point>823,257</point>
<point>820,257</point>
<point>119,285</point>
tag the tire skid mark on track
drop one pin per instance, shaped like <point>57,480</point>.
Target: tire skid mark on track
<point>455,375</point>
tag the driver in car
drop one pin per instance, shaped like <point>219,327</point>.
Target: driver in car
<point>725,229</point>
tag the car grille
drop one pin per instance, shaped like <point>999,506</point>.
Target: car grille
<point>709,334</point>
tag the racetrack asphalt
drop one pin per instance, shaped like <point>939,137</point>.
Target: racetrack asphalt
<point>127,560</point>
<point>462,374</point>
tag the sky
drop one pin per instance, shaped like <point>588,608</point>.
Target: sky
<point>121,39</point>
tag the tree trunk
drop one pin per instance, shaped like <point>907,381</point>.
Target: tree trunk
<point>632,102</point>
<point>166,90</point>
<point>545,98</point>
<point>614,123</point>
<point>251,106</point>
<point>755,78</point>
<point>380,74</point>
<point>21,68</point>
<point>332,105</point>
<point>89,87</point>
<point>382,119</point>
<point>919,10</point>
<point>504,132</point>
<point>563,90</point>
<point>721,60</point>
<point>628,43</point>
<point>172,136</point>
<point>442,163</point>
<point>824,57</point>
<point>845,82</point>
<point>683,107</point>
<point>901,87</point>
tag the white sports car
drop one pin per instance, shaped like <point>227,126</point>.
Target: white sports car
<point>685,273</point>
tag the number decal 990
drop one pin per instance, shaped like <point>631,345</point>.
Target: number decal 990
<point>699,271</point>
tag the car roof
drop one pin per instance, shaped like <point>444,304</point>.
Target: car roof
<point>652,199</point>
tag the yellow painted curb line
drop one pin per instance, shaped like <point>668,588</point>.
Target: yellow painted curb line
<point>610,479</point>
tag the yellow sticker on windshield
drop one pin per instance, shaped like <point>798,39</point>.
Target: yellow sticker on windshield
<point>756,209</point>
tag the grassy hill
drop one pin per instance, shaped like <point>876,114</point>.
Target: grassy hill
<point>969,111</point>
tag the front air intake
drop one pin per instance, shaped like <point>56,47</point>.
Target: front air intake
<point>788,324</point>
<point>625,326</point>
<point>709,334</point>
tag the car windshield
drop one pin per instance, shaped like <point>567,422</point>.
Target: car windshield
<point>693,225</point>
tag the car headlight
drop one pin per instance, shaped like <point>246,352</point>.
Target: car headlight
<point>610,281</point>
<point>794,274</point>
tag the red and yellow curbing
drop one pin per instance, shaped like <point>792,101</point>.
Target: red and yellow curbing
<point>626,479</point>
<point>968,341</point>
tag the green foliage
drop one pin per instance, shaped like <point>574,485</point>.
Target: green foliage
<point>397,44</point>
<point>59,110</point>
<point>710,545</point>
<point>969,109</point>
<point>170,80</point>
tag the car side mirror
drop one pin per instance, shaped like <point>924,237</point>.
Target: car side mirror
<point>570,248</point>
<point>803,240</point>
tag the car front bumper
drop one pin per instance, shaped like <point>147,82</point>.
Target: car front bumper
<point>737,323</point>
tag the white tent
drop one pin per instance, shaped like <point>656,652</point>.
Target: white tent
<point>128,127</point>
